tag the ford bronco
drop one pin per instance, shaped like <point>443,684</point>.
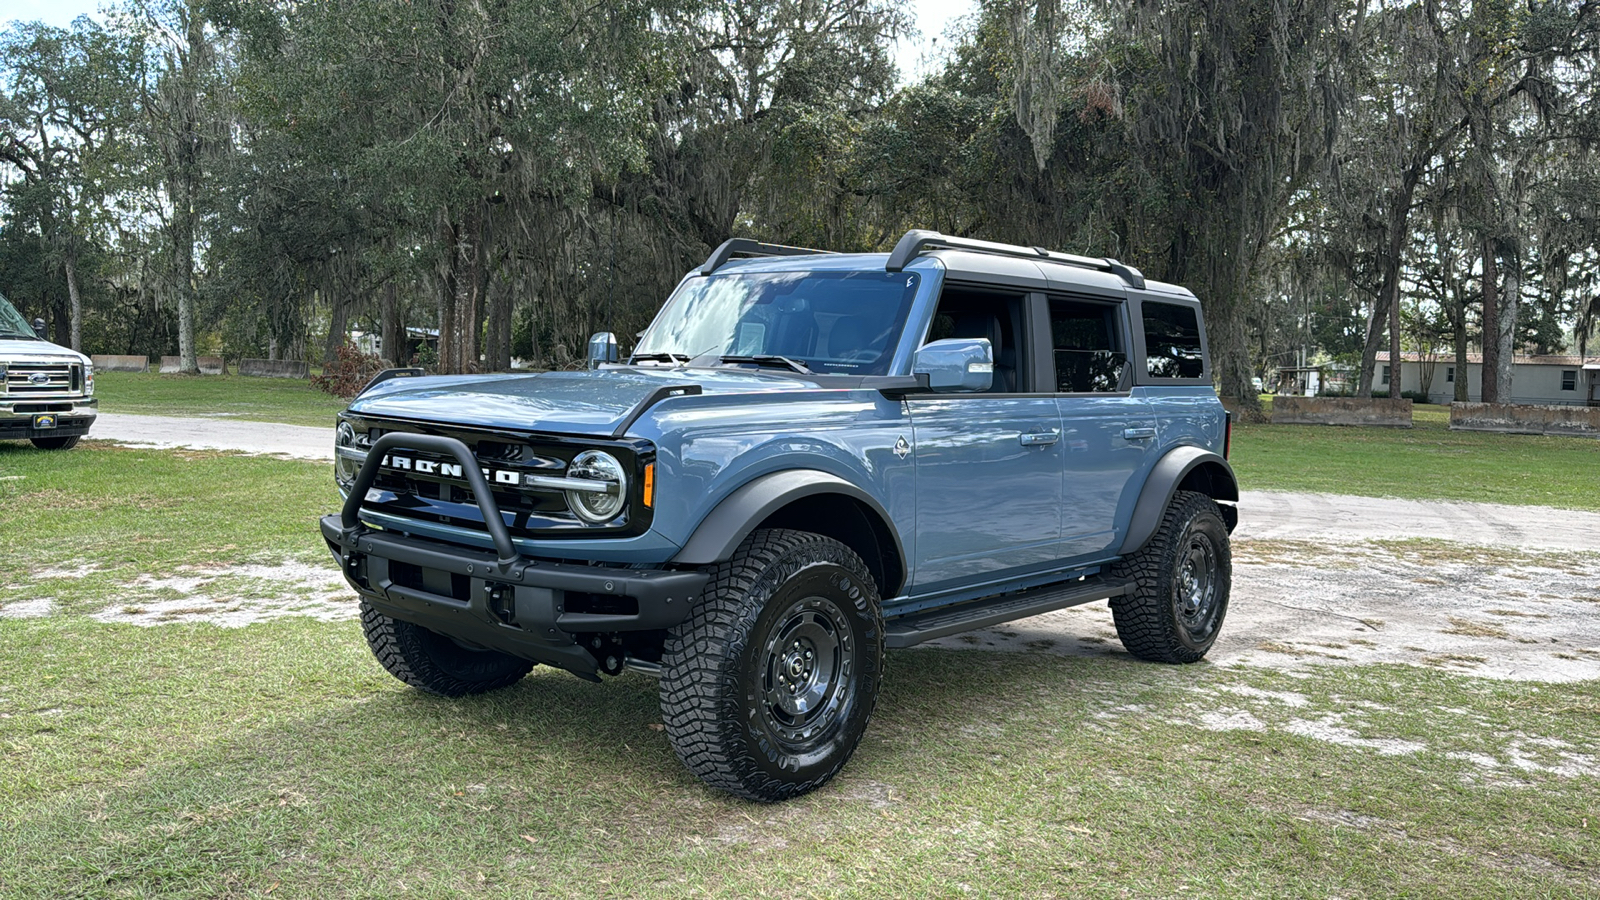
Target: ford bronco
<point>808,458</point>
<point>46,391</point>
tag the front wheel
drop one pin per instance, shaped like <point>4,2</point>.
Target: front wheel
<point>769,684</point>
<point>1181,580</point>
<point>56,443</point>
<point>432,662</point>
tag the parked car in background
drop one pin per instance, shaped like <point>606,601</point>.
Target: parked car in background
<point>46,390</point>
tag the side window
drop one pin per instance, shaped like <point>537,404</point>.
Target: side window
<point>965,313</point>
<point>1089,352</point>
<point>1172,341</point>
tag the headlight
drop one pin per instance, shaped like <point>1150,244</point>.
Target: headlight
<point>593,506</point>
<point>344,468</point>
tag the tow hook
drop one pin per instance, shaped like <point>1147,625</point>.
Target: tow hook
<point>498,598</point>
<point>355,567</point>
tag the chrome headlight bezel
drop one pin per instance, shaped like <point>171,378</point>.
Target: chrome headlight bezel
<point>596,507</point>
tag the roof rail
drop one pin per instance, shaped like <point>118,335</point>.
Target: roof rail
<point>916,241</point>
<point>748,247</point>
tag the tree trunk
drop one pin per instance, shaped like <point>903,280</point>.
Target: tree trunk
<point>338,326</point>
<point>1461,386</point>
<point>1396,363</point>
<point>1506,334</point>
<point>392,329</point>
<point>74,300</point>
<point>1369,348</point>
<point>498,336</point>
<point>1489,390</point>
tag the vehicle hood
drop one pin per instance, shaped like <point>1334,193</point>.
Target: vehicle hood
<point>591,403</point>
<point>37,351</point>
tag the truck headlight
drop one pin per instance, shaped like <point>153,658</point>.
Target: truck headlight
<point>594,506</point>
<point>344,468</point>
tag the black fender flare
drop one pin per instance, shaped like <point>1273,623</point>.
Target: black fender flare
<point>1169,472</point>
<point>732,520</point>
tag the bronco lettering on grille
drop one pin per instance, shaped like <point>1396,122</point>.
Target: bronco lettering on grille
<point>447,469</point>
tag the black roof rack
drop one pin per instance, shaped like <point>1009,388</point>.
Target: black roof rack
<point>748,247</point>
<point>916,241</point>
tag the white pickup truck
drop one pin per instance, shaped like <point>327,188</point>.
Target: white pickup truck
<point>46,390</point>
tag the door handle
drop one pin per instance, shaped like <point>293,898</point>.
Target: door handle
<point>1038,438</point>
<point>1138,434</point>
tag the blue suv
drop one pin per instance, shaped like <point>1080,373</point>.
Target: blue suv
<point>809,457</point>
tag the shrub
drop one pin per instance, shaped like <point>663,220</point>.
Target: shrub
<point>349,372</point>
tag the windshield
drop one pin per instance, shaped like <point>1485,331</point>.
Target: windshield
<point>12,324</point>
<point>830,322</point>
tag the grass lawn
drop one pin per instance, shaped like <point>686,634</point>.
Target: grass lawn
<point>260,399</point>
<point>1425,462</point>
<point>278,759</point>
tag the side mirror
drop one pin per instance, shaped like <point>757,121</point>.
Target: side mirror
<point>38,329</point>
<point>602,349</point>
<point>956,364</point>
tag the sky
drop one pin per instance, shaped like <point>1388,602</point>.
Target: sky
<point>914,57</point>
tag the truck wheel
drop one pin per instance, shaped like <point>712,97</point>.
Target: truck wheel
<point>1180,584</point>
<point>429,661</point>
<point>767,687</point>
<point>56,443</point>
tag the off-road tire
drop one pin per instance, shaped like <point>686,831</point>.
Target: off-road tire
<point>57,443</point>
<point>429,661</point>
<point>792,619</point>
<point>1176,608</point>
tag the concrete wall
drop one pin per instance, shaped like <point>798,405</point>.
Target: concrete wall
<point>1515,419</point>
<point>275,368</point>
<point>106,363</point>
<point>209,365</point>
<point>1530,384</point>
<point>1340,411</point>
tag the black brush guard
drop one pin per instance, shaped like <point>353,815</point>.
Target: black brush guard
<point>531,608</point>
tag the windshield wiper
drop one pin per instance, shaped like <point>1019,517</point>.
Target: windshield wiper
<point>659,357</point>
<point>768,360</point>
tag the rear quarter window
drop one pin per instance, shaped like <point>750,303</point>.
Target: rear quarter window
<point>1172,341</point>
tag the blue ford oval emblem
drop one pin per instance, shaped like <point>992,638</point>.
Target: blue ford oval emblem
<point>38,378</point>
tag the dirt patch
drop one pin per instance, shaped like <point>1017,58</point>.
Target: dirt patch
<point>1490,612</point>
<point>234,597</point>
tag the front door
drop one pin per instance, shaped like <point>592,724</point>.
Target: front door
<point>988,466</point>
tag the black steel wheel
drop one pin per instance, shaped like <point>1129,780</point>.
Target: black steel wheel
<point>768,686</point>
<point>1181,581</point>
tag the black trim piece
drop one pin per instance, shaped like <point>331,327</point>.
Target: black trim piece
<point>1162,484</point>
<point>943,621</point>
<point>350,516</point>
<point>899,387</point>
<point>917,240</point>
<point>386,374</point>
<point>656,396</point>
<point>721,532</point>
<point>748,247</point>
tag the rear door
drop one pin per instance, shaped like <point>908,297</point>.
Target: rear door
<point>1108,432</point>
<point>989,465</point>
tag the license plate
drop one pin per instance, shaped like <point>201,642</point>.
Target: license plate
<point>43,422</point>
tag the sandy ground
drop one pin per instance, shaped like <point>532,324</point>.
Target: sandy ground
<point>1319,580</point>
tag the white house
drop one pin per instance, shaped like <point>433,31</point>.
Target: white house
<point>1541,380</point>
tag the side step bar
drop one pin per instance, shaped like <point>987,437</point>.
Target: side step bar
<point>908,631</point>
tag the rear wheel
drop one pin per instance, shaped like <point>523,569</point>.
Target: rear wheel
<point>56,443</point>
<point>767,687</point>
<point>1181,580</point>
<point>429,661</point>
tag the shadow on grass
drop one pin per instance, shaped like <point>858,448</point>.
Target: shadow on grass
<point>384,786</point>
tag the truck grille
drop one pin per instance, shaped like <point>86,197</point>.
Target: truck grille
<point>43,379</point>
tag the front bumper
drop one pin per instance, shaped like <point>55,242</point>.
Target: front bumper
<point>72,416</point>
<point>532,608</point>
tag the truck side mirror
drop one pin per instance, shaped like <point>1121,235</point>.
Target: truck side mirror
<point>602,349</point>
<point>956,365</point>
<point>38,329</point>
